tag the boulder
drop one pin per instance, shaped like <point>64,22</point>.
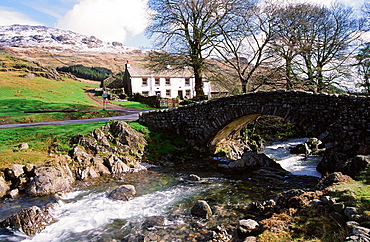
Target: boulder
<point>249,161</point>
<point>50,180</point>
<point>23,146</point>
<point>350,211</point>
<point>124,193</point>
<point>247,227</point>
<point>194,178</point>
<point>88,142</point>
<point>201,209</point>
<point>14,171</point>
<point>4,187</point>
<point>356,233</point>
<point>79,155</point>
<point>311,146</point>
<point>116,165</point>
<point>332,178</point>
<point>99,166</point>
<point>354,166</point>
<point>86,172</point>
<point>128,139</point>
<point>332,162</point>
<point>102,140</point>
<point>15,174</point>
<point>137,168</point>
<point>29,220</point>
<point>13,193</point>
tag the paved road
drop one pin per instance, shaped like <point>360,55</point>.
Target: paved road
<point>128,117</point>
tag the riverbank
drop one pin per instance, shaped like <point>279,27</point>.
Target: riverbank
<point>285,206</point>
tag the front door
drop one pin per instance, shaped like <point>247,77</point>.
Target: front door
<point>180,94</point>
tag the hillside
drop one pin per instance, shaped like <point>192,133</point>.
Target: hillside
<point>57,48</point>
<point>28,87</point>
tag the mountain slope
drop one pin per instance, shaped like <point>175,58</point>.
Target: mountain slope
<point>41,36</point>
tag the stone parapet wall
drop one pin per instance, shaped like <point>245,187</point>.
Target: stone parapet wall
<point>342,122</point>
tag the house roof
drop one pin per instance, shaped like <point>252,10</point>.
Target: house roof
<point>135,71</point>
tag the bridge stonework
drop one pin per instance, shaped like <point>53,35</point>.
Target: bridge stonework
<point>340,121</point>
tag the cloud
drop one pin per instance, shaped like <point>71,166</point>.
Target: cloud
<point>109,20</point>
<point>8,17</point>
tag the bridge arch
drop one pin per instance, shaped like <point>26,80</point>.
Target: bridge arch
<point>340,121</point>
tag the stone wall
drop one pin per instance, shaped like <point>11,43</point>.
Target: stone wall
<point>342,122</point>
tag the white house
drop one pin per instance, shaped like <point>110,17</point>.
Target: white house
<point>170,83</point>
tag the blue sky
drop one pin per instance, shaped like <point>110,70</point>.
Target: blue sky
<point>110,20</point>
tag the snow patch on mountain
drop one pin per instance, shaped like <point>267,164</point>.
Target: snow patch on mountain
<point>57,39</point>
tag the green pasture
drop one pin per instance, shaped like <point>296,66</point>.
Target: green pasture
<point>20,95</point>
<point>41,140</point>
<point>132,104</point>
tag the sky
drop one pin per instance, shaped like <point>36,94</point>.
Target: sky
<point>109,20</point>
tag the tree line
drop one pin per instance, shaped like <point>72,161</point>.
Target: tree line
<point>305,45</point>
<point>91,73</point>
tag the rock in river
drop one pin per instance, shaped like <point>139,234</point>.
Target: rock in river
<point>201,209</point>
<point>30,220</point>
<point>124,192</point>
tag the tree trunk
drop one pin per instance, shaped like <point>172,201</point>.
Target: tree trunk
<point>199,92</point>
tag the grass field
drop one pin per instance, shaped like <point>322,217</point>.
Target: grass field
<point>19,94</point>
<point>41,140</point>
<point>132,104</point>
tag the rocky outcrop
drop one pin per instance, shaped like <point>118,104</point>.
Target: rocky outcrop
<point>29,220</point>
<point>124,193</point>
<point>115,149</point>
<point>338,162</point>
<point>116,138</point>
<point>51,178</point>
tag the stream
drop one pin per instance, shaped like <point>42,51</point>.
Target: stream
<point>86,214</point>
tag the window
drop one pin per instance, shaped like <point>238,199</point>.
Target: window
<point>168,81</point>
<point>145,93</point>
<point>145,81</point>
<point>157,82</point>
<point>187,93</point>
<point>158,93</point>
<point>187,81</point>
<point>168,93</point>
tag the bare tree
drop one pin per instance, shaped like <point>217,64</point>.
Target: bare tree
<point>187,28</point>
<point>243,40</point>
<point>363,67</point>
<point>315,42</point>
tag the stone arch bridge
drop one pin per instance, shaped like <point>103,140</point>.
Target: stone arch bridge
<point>342,122</point>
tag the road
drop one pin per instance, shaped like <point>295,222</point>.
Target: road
<point>128,117</point>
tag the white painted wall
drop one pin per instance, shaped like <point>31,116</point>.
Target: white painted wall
<point>176,84</point>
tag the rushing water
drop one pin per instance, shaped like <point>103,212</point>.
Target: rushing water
<point>296,164</point>
<point>88,215</point>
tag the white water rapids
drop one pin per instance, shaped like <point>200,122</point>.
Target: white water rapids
<point>81,216</point>
<point>89,215</point>
<point>296,164</point>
